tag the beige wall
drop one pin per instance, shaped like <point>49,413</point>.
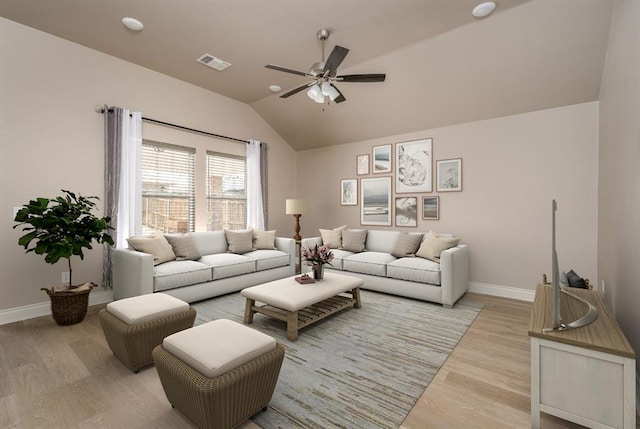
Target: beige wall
<point>51,138</point>
<point>619,186</point>
<point>512,168</point>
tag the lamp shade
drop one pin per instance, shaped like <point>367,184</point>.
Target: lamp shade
<point>296,207</point>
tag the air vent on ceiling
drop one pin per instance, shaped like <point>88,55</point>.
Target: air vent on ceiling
<point>213,62</point>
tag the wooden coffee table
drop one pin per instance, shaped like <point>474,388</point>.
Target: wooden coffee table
<point>301,305</point>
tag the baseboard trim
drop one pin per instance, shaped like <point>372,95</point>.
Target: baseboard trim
<point>30,311</point>
<point>502,291</point>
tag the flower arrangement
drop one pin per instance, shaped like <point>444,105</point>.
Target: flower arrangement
<point>317,256</point>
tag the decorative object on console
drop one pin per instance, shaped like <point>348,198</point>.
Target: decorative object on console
<point>413,166</point>
<point>296,208</point>
<point>304,279</point>
<point>406,211</point>
<point>349,192</point>
<point>382,159</point>
<point>316,257</point>
<point>375,201</point>
<point>61,228</point>
<point>449,175</point>
<point>431,208</point>
<point>362,164</point>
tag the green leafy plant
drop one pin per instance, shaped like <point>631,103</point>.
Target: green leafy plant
<point>61,227</point>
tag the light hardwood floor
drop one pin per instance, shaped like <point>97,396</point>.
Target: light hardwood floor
<point>54,377</point>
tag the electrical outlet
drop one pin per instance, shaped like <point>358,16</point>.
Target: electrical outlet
<point>65,278</point>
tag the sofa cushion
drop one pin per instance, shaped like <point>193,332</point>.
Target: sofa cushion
<point>266,259</point>
<point>374,263</point>
<point>332,237</point>
<point>353,239</point>
<point>145,308</point>
<point>432,246</point>
<point>240,240</point>
<point>184,246</point>
<point>406,245</point>
<point>210,242</point>
<point>381,241</point>
<point>338,256</point>
<point>228,265</point>
<point>175,274</point>
<point>155,245</point>
<point>415,270</point>
<point>264,239</point>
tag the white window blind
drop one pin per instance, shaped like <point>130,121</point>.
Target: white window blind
<point>226,191</point>
<point>168,196</point>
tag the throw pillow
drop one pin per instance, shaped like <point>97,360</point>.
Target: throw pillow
<point>184,246</point>
<point>264,239</point>
<point>406,245</point>
<point>353,239</point>
<point>332,237</point>
<point>155,245</point>
<point>432,246</point>
<point>240,240</point>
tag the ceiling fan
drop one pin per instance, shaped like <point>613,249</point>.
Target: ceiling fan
<point>324,75</point>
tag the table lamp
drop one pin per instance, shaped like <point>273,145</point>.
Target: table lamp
<point>296,208</point>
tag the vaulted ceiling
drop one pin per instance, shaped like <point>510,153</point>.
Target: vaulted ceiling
<point>443,66</point>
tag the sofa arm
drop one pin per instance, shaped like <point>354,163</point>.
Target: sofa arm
<point>311,242</point>
<point>287,245</point>
<point>132,273</point>
<point>454,274</point>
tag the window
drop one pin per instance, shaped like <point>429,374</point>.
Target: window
<point>226,191</point>
<point>168,196</point>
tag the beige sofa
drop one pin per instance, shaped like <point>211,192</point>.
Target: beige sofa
<point>216,272</point>
<point>443,281</point>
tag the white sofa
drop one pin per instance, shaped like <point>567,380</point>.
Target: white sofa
<point>442,282</point>
<point>216,272</point>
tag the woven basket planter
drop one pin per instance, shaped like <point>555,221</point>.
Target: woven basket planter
<point>69,308</point>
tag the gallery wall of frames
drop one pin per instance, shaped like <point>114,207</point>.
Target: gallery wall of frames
<point>397,183</point>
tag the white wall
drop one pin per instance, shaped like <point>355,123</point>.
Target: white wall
<point>512,168</point>
<point>51,138</point>
<point>619,187</point>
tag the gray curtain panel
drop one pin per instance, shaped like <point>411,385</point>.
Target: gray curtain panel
<point>112,153</point>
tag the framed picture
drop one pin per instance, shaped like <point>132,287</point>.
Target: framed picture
<point>362,164</point>
<point>449,175</point>
<point>349,192</point>
<point>431,208</point>
<point>382,159</point>
<point>413,166</point>
<point>376,201</point>
<point>406,211</point>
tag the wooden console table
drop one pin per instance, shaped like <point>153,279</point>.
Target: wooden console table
<point>586,375</point>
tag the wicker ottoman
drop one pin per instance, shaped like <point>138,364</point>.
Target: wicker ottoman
<point>220,373</point>
<point>134,326</point>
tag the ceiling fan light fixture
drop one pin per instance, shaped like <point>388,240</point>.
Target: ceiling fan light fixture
<point>333,92</point>
<point>314,92</point>
<point>326,88</point>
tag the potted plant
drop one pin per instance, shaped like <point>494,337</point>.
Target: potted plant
<point>61,228</point>
<point>316,257</point>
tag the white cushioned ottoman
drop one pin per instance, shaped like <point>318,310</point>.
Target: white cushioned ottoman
<point>133,327</point>
<point>220,373</point>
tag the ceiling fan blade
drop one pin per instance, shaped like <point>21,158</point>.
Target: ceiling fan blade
<point>340,98</point>
<point>372,77</point>
<point>286,70</point>
<point>335,59</point>
<point>297,90</point>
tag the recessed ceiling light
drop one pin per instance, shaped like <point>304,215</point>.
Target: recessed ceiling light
<point>132,24</point>
<point>274,88</point>
<point>483,9</point>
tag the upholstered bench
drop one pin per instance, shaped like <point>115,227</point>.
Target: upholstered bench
<point>134,326</point>
<point>220,373</point>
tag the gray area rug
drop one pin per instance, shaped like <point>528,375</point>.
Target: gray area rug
<point>360,368</point>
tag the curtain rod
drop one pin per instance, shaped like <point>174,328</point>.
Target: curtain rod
<point>101,109</point>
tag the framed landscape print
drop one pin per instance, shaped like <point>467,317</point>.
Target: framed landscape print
<point>375,208</point>
<point>449,175</point>
<point>382,159</point>
<point>349,192</point>
<point>406,211</point>
<point>413,166</point>
<point>362,164</point>
<point>431,208</point>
